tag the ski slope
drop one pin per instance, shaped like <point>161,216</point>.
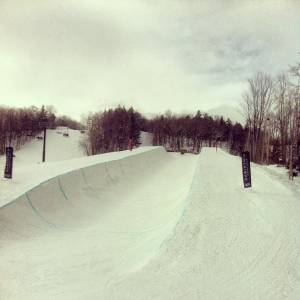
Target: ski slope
<point>231,243</point>
<point>148,224</point>
<point>58,148</point>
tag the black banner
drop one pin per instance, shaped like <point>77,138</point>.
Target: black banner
<point>246,169</point>
<point>9,162</point>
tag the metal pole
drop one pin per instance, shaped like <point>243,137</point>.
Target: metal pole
<point>44,145</point>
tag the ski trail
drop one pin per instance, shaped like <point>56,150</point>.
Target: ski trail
<point>232,243</point>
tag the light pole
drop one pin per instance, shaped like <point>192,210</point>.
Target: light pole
<point>44,124</point>
<point>44,144</point>
<point>268,139</point>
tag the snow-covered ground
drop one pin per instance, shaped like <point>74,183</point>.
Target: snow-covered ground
<point>69,237</point>
<point>63,154</point>
<point>148,224</point>
<point>58,148</point>
<point>231,243</point>
<point>146,138</point>
<point>28,169</point>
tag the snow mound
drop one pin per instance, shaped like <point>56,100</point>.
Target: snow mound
<point>90,220</point>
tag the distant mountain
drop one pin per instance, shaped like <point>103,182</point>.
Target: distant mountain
<point>227,111</point>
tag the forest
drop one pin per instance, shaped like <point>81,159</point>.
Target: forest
<point>119,129</point>
<point>114,130</point>
<point>271,106</point>
<point>191,132</point>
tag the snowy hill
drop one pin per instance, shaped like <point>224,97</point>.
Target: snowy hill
<point>58,148</point>
<point>129,225</point>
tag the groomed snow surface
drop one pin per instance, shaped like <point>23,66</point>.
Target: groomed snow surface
<point>148,224</point>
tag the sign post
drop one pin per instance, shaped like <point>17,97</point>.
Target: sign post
<point>246,169</point>
<point>9,162</point>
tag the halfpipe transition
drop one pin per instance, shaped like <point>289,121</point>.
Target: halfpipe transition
<point>70,235</point>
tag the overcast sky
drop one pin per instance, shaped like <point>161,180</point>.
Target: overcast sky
<point>156,55</point>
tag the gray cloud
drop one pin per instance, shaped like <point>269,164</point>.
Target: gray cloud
<point>155,55</point>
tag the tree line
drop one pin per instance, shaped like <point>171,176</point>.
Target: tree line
<point>119,129</point>
<point>114,130</point>
<point>65,121</point>
<point>191,132</point>
<point>271,106</point>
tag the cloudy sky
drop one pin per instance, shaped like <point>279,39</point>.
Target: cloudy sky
<point>156,55</point>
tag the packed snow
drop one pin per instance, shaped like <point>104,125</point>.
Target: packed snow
<point>71,235</point>
<point>231,243</point>
<point>147,224</point>
<point>58,146</point>
<point>63,154</point>
<point>146,138</point>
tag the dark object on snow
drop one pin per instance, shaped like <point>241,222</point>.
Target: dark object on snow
<point>9,162</point>
<point>66,134</point>
<point>182,151</point>
<point>246,169</point>
<point>295,173</point>
<point>39,137</point>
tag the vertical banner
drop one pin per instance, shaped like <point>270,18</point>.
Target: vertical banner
<point>246,169</point>
<point>9,162</point>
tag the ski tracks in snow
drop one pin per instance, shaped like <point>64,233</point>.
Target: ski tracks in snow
<point>232,243</point>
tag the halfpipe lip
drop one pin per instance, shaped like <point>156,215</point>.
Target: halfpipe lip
<point>62,168</point>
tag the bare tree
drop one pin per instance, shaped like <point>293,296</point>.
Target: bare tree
<point>256,106</point>
<point>17,126</point>
<point>294,118</point>
<point>283,110</point>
